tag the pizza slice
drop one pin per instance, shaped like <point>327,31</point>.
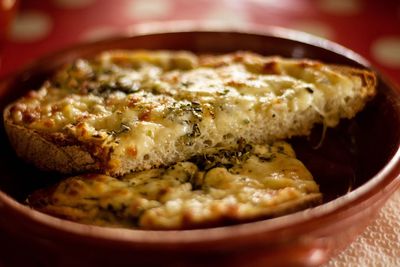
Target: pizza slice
<point>252,182</point>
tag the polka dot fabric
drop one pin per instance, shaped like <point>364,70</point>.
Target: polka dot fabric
<point>369,27</point>
<point>372,28</point>
<point>30,26</point>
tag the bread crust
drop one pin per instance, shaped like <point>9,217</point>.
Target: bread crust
<point>367,77</point>
<point>47,153</point>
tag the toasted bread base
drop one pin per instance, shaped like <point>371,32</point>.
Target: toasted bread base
<point>48,153</point>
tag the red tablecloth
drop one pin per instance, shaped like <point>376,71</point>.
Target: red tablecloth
<point>371,28</point>
<point>368,27</point>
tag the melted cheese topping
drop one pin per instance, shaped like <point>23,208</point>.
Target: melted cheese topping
<point>132,104</point>
<point>230,186</point>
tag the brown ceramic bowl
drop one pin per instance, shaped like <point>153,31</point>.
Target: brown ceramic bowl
<point>357,168</point>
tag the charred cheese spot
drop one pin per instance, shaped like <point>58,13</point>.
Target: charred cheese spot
<point>271,67</point>
<point>131,151</point>
<point>145,115</point>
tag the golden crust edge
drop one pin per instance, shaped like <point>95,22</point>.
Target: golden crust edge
<point>367,76</point>
<point>33,148</point>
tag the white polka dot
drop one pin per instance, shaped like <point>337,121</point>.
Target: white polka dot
<point>99,33</point>
<point>340,7</point>
<point>7,4</point>
<point>315,28</point>
<point>30,26</point>
<point>145,9</point>
<point>387,50</point>
<point>73,3</point>
<point>277,4</point>
<point>227,15</point>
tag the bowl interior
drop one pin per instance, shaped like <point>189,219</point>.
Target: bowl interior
<point>349,156</point>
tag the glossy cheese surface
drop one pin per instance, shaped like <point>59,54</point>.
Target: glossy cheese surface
<point>259,181</point>
<point>132,106</point>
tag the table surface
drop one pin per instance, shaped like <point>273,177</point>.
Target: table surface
<point>369,27</point>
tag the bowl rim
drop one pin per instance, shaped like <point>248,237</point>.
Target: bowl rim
<point>387,178</point>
